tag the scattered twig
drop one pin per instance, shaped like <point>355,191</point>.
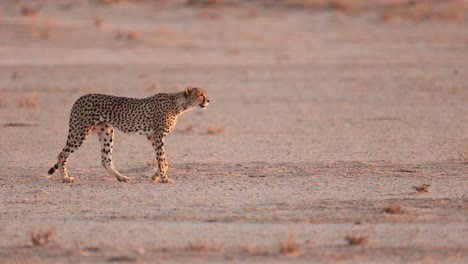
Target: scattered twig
<point>290,247</point>
<point>422,188</point>
<point>42,237</point>
<point>357,239</point>
<point>394,208</point>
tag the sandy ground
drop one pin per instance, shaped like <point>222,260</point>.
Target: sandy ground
<point>319,122</point>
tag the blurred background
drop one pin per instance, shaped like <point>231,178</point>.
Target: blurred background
<point>311,79</point>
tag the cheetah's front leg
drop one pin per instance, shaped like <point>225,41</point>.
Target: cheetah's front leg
<point>106,136</point>
<point>163,164</point>
<point>155,161</point>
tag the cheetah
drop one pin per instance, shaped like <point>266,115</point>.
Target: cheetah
<point>154,117</point>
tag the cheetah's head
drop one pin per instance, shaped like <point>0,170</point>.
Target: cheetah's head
<point>196,97</point>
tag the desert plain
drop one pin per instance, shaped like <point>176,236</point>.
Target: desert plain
<point>337,132</point>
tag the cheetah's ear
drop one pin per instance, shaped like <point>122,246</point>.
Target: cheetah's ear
<point>188,90</point>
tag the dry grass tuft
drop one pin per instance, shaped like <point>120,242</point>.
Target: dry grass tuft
<point>357,239</point>
<point>252,12</point>
<point>19,125</point>
<point>215,130</point>
<point>154,86</point>
<point>16,75</point>
<point>212,3</point>
<point>249,249</point>
<point>45,28</point>
<point>29,101</point>
<point>395,208</point>
<point>407,170</point>
<point>290,247</point>
<point>42,237</point>
<point>129,35</point>
<point>188,128</point>
<point>387,9</point>
<point>209,15</point>
<point>98,21</point>
<point>163,30</point>
<point>463,156</point>
<point>122,259</point>
<point>133,35</point>
<point>119,35</point>
<point>346,5</point>
<point>204,247</point>
<point>110,2</point>
<point>235,51</point>
<point>422,188</point>
<point>425,10</point>
<point>29,11</point>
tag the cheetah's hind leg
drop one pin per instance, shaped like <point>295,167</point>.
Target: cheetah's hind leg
<point>76,136</point>
<point>105,133</point>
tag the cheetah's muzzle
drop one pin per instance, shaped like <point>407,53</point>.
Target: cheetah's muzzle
<point>204,104</point>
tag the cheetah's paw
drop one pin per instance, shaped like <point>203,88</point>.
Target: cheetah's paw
<point>68,180</point>
<point>166,180</point>
<point>156,178</point>
<point>123,179</point>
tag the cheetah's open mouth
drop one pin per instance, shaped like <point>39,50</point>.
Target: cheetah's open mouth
<point>203,106</point>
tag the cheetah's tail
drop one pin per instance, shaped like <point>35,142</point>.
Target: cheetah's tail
<point>52,170</point>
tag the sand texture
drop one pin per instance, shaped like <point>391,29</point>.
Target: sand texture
<point>322,121</point>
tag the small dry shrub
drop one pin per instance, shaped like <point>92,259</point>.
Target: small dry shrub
<point>122,259</point>
<point>204,247</point>
<point>16,75</point>
<point>249,249</point>
<point>357,239</point>
<point>19,125</point>
<point>346,6</point>
<point>215,130</point>
<point>188,128</point>
<point>387,15</point>
<point>163,30</point>
<point>46,33</point>
<point>406,170</point>
<point>235,51</point>
<point>425,10</point>
<point>42,237</point>
<point>119,35</point>
<point>28,11</point>
<point>29,101</point>
<point>290,247</point>
<point>154,86</point>
<point>110,2</point>
<point>98,21</point>
<point>211,3</point>
<point>133,35</point>
<point>394,208</point>
<point>129,35</point>
<point>209,15</point>
<point>463,156</point>
<point>252,12</point>
<point>422,188</point>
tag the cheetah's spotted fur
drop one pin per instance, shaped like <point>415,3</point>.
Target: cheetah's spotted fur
<point>153,116</point>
